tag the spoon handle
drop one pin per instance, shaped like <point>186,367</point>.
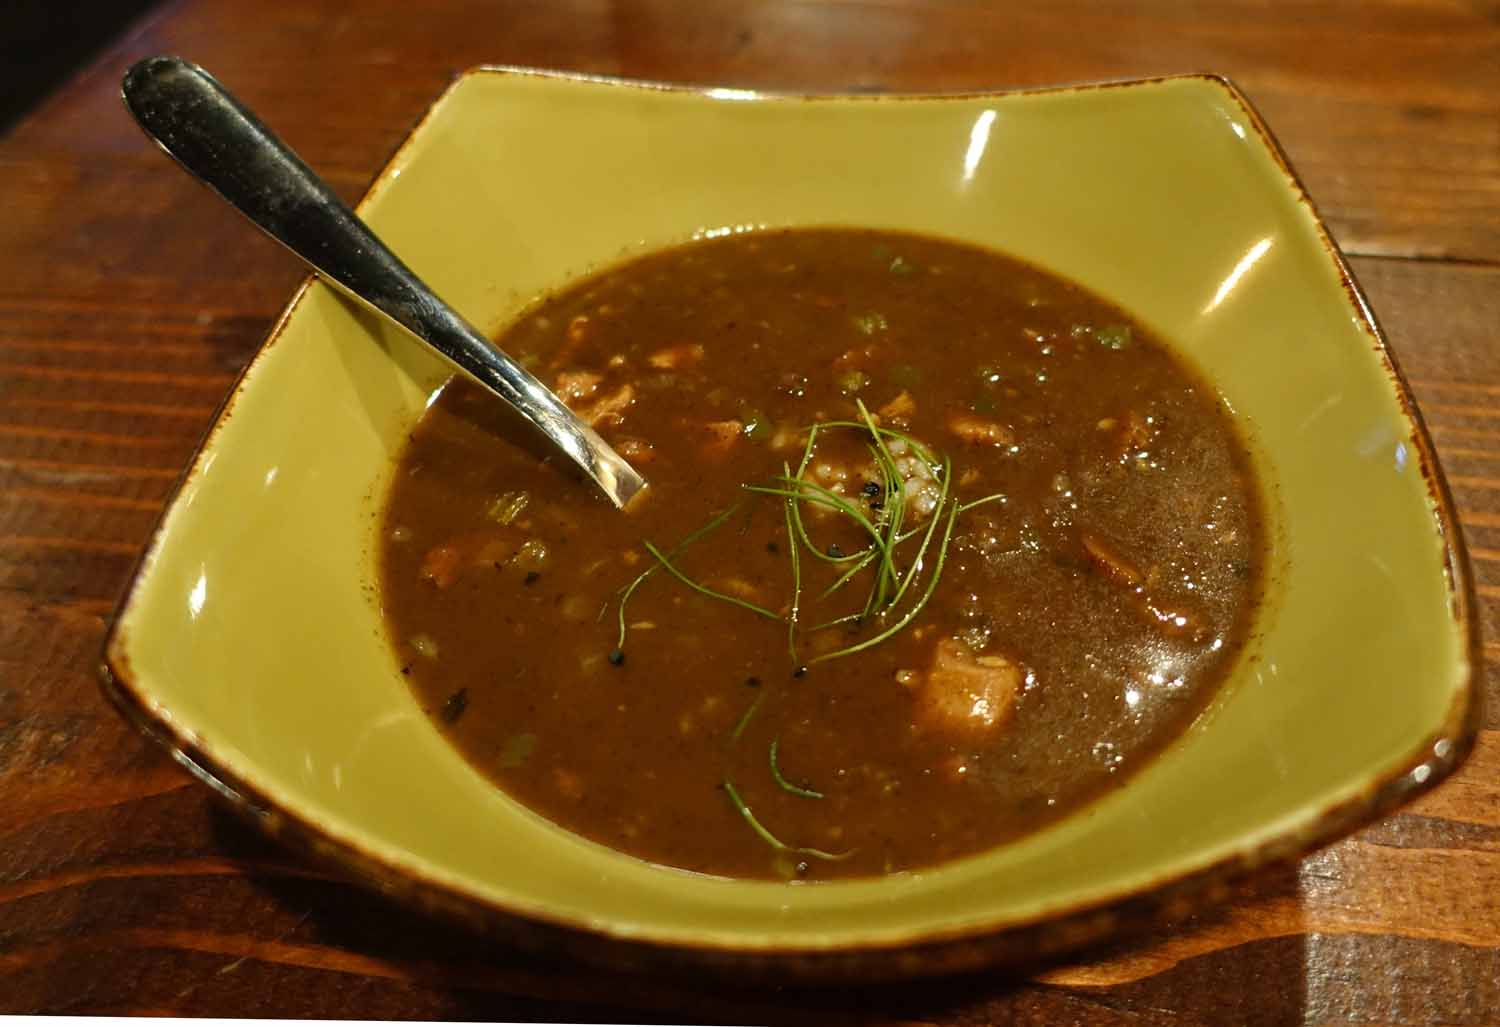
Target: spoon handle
<point>225,146</point>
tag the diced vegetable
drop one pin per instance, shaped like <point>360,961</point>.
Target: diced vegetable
<point>516,750</point>
<point>532,556</point>
<point>757,427</point>
<point>851,382</point>
<point>507,506</point>
<point>905,376</point>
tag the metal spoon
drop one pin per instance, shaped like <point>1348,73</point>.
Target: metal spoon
<point>225,146</point>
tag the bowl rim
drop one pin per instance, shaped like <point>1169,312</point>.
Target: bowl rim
<point>917,952</point>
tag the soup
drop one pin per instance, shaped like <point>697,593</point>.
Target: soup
<point>937,548</point>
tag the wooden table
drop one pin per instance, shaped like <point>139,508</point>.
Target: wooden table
<point>129,298</point>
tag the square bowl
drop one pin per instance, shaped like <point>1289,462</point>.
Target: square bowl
<point>250,641</point>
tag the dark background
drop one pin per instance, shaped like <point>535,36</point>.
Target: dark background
<point>43,41</point>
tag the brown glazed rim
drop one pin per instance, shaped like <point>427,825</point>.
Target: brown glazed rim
<point>1167,899</point>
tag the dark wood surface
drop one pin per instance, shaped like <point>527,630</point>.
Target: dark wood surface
<point>129,298</point>
<point>42,42</point>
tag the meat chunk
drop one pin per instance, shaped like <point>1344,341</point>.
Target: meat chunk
<point>674,358</point>
<point>579,331</point>
<point>1114,564</point>
<point>608,409</point>
<point>637,451</point>
<point>573,386</point>
<point>581,391</point>
<point>722,436</point>
<point>440,565</point>
<point>965,692</point>
<point>902,406</point>
<point>980,431</point>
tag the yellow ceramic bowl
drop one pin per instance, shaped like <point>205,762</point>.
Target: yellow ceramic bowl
<point>251,642</point>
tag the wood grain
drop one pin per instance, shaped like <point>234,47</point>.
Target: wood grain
<point>129,300</point>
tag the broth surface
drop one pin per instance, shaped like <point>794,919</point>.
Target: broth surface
<point>1046,641</point>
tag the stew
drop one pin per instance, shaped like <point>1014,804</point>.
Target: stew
<point>937,548</point>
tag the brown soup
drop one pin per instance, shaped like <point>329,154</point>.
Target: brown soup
<point>937,548</point>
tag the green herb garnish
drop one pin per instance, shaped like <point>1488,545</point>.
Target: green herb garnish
<point>902,561</point>
<point>777,776</point>
<point>746,717</point>
<point>916,608</point>
<point>791,541</point>
<point>769,838</point>
<point>704,589</point>
<point>629,590</point>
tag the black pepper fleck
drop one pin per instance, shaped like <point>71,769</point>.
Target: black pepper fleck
<point>454,708</point>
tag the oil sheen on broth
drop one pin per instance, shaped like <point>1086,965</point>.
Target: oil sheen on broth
<point>1018,554</point>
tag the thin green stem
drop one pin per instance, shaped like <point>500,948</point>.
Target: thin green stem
<point>798,488</point>
<point>769,838</point>
<point>993,497</point>
<point>916,564</point>
<point>864,561</point>
<point>791,541</point>
<point>687,540</point>
<point>807,452</point>
<point>776,775</point>
<point>845,619</point>
<point>923,453</point>
<point>748,716</point>
<point>916,607</point>
<point>890,517</point>
<point>705,590</point>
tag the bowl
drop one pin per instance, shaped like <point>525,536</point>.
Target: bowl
<point>250,641</point>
